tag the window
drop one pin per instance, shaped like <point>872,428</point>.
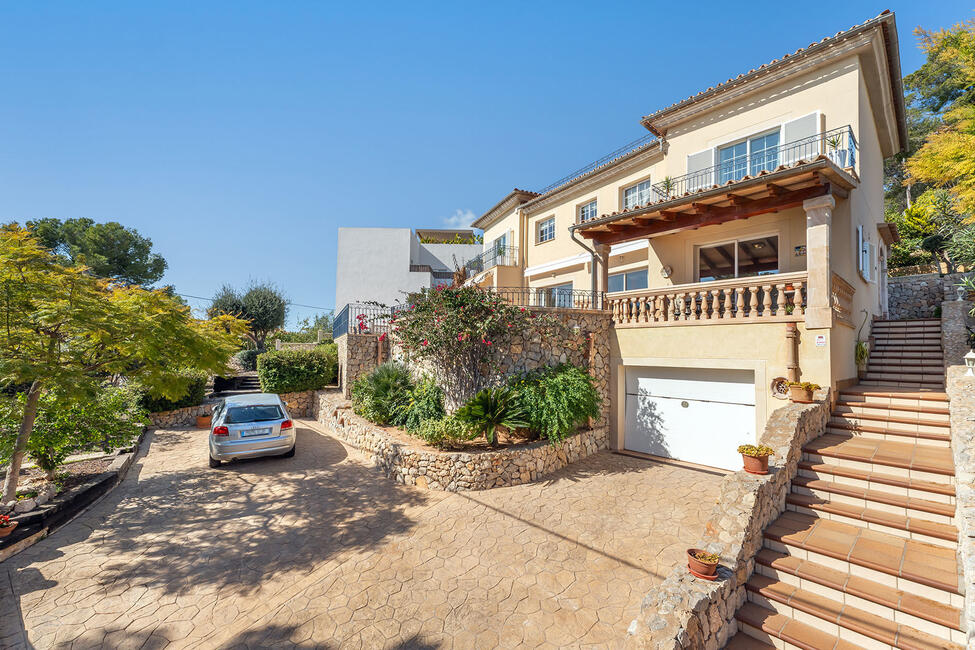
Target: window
<point>638,194</point>
<point>558,296</point>
<point>748,157</point>
<point>546,230</point>
<point>738,259</point>
<point>587,212</point>
<point>865,255</point>
<point>627,281</point>
<point>255,413</point>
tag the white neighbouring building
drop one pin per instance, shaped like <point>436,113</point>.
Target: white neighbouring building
<point>384,264</point>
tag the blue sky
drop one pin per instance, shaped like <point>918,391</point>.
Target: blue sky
<point>239,136</point>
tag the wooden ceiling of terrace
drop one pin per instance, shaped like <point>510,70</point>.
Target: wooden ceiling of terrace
<point>741,200</point>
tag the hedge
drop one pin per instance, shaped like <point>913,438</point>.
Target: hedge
<point>247,359</point>
<point>196,392</point>
<point>291,371</point>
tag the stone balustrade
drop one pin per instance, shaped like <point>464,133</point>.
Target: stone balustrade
<point>770,298</point>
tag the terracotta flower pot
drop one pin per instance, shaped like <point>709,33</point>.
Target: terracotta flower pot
<point>800,395</point>
<point>755,464</point>
<point>203,421</point>
<point>699,568</point>
<point>6,530</point>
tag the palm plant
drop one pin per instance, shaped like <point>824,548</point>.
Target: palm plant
<point>493,409</point>
<point>382,395</point>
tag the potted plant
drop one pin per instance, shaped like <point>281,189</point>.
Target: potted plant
<point>203,421</point>
<point>6,526</point>
<point>861,354</point>
<point>801,392</point>
<point>755,458</point>
<point>837,155</point>
<point>667,186</point>
<point>702,564</point>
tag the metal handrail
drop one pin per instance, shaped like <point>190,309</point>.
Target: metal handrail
<point>493,256</point>
<point>551,297</point>
<point>839,145</point>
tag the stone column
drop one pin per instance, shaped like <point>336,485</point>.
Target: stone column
<point>819,218</point>
<point>954,330</point>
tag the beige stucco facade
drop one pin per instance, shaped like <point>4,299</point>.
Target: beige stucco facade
<point>850,84</point>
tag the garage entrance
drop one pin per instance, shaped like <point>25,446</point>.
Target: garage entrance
<point>698,415</point>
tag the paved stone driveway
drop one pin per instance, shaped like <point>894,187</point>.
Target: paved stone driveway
<point>322,551</point>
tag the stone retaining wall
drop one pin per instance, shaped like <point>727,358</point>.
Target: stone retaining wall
<point>961,396</point>
<point>685,612</point>
<point>919,296</point>
<point>452,471</point>
<point>184,417</point>
<point>357,355</point>
<point>300,405</point>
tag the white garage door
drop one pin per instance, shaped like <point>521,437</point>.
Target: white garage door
<point>697,415</point>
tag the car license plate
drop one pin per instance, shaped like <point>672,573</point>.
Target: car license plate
<point>251,433</point>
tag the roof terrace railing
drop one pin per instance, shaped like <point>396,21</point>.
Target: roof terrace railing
<point>839,145</point>
<point>639,143</point>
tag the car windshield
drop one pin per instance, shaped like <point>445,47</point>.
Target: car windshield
<point>255,413</point>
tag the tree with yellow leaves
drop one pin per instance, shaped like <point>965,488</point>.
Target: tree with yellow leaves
<point>65,331</point>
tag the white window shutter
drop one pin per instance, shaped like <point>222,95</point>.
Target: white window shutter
<point>859,251</point>
<point>697,162</point>
<point>802,129</point>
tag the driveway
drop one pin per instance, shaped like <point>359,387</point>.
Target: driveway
<point>323,551</point>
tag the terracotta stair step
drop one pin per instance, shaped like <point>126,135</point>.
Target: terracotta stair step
<point>872,451</point>
<point>841,581</point>
<point>899,410</point>
<point>931,566</point>
<point>924,528</point>
<point>945,489</point>
<point>879,380</point>
<point>877,496</point>
<point>840,428</point>
<point>898,356</point>
<point>788,597</point>
<point>742,641</point>
<point>909,372</point>
<point>789,630</point>
<point>909,366</point>
<point>924,394</point>
<point>880,415</point>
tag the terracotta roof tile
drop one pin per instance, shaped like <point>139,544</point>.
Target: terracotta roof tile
<point>771,63</point>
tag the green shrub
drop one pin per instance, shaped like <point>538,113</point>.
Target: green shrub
<point>291,371</point>
<point>383,395</point>
<point>195,393</point>
<point>247,359</point>
<point>426,403</point>
<point>558,400</point>
<point>446,432</point>
<point>109,419</point>
<point>493,409</point>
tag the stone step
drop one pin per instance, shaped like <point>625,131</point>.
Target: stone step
<point>919,348</point>
<point>909,373</point>
<point>877,499</point>
<point>883,364</point>
<point>925,570</point>
<point>764,625</point>
<point>837,618</point>
<point>897,356</point>
<point>925,614</point>
<point>932,415</point>
<point>904,322</point>
<point>929,490</point>
<point>840,425</point>
<point>903,459</point>
<point>921,530</point>
<point>742,641</point>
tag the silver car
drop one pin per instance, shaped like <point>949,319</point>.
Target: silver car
<point>248,426</point>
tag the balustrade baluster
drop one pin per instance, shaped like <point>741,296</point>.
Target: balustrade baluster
<point>780,300</point>
<point>753,301</point>
<point>740,307</point>
<point>797,298</point>
<point>766,300</point>
<point>715,304</point>
<point>658,302</point>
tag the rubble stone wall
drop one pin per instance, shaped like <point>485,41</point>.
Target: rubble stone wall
<point>685,612</point>
<point>919,296</point>
<point>446,470</point>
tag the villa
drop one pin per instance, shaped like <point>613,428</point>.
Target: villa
<point>739,245</point>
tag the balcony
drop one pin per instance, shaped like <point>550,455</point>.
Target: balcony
<point>494,256</point>
<point>838,145</point>
<point>553,297</point>
<point>760,299</point>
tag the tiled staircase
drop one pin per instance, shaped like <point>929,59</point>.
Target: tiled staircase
<point>865,554</point>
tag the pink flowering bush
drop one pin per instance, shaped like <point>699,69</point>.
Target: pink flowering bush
<point>459,333</point>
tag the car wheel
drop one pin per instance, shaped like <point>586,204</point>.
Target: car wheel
<point>290,453</point>
<point>214,462</point>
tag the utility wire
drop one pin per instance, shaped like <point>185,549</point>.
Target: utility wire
<point>290,304</point>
